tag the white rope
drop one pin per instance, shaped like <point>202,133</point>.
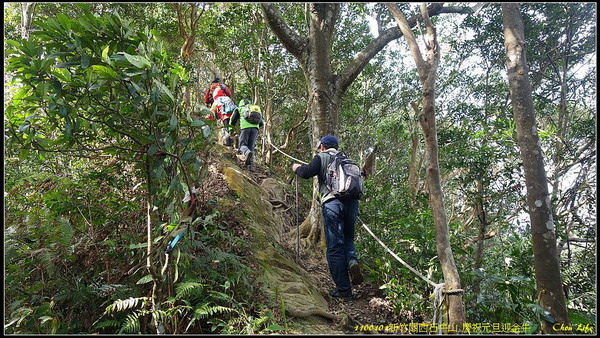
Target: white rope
<point>438,289</point>
<point>279,150</point>
<point>396,256</point>
<point>437,304</point>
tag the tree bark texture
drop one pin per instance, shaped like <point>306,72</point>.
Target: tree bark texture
<point>27,10</point>
<point>414,166</point>
<point>187,31</point>
<point>427,69</point>
<point>547,271</point>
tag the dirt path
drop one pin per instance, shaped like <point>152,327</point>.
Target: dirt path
<point>367,310</point>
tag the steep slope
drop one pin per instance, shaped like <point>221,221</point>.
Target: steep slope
<point>261,209</point>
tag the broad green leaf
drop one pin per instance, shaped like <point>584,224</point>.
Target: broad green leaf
<point>105,72</point>
<point>67,64</point>
<point>22,93</point>
<point>173,122</point>
<point>206,131</point>
<point>145,279</point>
<point>164,89</point>
<point>197,164</point>
<point>14,43</point>
<point>85,61</point>
<point>197,122</point>
<point>137,88</point>
<point>134,60</point>
<point>187,156</point>
<point>168,143</point>
<point>152,150</point>
<point>64,21</point>
<point>86,24</point>
<point>275,327</point>
<point>41,89</point>
<point>105,57</point>
<point>174,186</point>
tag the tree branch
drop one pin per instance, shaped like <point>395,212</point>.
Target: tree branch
<point>405,27</point>
<point>291,131</point>
<point>288,37</point>
<point>354,68</point>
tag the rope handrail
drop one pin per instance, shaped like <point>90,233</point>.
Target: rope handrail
<point>437,287</point>
<point>279,150</point>
<point>434,285</point>
<point>396,256</point>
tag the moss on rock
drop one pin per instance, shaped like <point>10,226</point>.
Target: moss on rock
<point>284,280</point>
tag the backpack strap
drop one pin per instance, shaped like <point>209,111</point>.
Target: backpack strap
<point>327,157</point>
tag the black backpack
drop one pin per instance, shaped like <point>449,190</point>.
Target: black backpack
<point>252,114</point>
<point>343,177</point>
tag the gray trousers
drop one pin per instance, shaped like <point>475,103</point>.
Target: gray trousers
<point>248,138</point>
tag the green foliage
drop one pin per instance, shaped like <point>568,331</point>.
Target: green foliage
<point>214,295</point>
<point>54,230</point>
<point>90,90</point>
<point>94,123</point>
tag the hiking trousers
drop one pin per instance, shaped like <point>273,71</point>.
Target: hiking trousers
<point>248,138</point>
<point>340,218</point>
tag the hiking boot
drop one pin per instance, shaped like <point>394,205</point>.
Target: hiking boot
<point>249,158</point>
<point>347,295</point>
<point>242,157</point>
<point>228,141</point>
<point>356,276</point>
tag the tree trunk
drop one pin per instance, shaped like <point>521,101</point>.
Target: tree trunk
<point>267,150</point>
<point>27,9</point>
<point>415,160</point>
<point>187,31</point>
<point>562,74</point>
<point>428,72</point>
<point>480,216</point>
<point>547,271</point>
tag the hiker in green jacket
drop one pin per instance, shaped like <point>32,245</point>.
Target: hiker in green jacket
<point>250,119</point>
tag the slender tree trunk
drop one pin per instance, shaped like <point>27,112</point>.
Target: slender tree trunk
<point>415,160</point>
<point>27,10</point>
<point>480,216</point>
<point>428,73</point>
<point>268,151</point>
<point>547,271</point>
<point>187,31</point>
<point>561,127</point>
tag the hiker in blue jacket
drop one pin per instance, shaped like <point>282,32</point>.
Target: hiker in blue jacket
<point>339,217</point>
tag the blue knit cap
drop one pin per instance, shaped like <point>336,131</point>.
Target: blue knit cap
<point>329,140</point>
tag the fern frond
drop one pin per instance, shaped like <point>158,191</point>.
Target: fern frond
<point>160,316</point>
<point>204,310</point>
<point>108,323</point>
<point>220,295</point>
<point>186,289</point>
<point>120,305</point>
<point>131,324</point>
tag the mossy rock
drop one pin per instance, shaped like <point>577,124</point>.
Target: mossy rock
<point>284,280</point>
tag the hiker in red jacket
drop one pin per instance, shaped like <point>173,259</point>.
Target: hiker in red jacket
<point>222,106</point>
<point>209,95</point>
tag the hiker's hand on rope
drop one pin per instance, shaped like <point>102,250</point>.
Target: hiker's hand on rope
<point>295,166</point>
